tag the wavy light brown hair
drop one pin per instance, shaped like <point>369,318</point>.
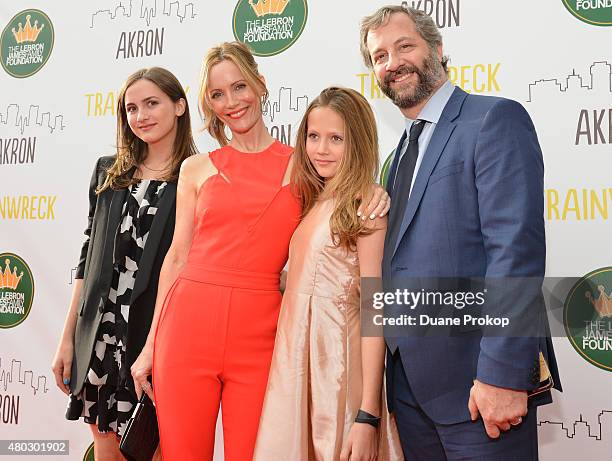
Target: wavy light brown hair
<point>423,23</point>
<point>241,56</point>
<point>131,150</point>
<point>356,173</point>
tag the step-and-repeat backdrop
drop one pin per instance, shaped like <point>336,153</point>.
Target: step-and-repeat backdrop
<point>64,62</point>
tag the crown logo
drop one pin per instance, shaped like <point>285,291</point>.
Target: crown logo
<point>266,7</point>
<point>603,304</point>
<point>28,33</point>
<point>9,279</point>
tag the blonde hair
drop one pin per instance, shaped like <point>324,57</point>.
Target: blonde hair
<point>131,150</point>
<point>356,173</point>
<point>239,54</point>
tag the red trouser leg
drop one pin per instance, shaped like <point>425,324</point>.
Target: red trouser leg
<point>189,349</point>
<point>250,340</point>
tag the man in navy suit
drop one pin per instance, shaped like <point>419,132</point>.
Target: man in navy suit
<point>466,185</point>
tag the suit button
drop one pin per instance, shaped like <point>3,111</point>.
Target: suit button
<point>101,305</point>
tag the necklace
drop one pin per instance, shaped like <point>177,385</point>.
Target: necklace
<point>153,169</point>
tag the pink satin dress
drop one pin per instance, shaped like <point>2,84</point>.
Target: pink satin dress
<point>315,382</point>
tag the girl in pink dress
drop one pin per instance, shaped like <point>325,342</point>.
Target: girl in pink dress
<point>324,400</point>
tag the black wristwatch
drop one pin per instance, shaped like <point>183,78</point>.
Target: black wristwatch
<point>367,418</point>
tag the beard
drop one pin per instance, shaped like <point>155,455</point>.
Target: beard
<point>428,77</point>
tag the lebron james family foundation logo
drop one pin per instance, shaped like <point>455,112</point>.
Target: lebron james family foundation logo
<point>16,290</point>
<point>26,43</point>
<point>587,317</point>
<point>89,454</point>
<point>595,12</point>
<point>269,27</point>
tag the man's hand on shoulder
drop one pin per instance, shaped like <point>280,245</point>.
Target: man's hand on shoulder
<point>499,407</point>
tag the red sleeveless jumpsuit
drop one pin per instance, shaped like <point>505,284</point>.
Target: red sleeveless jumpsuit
<point>216,333</point>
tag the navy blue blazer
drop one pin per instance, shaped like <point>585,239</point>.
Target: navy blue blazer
<point>476,210</point>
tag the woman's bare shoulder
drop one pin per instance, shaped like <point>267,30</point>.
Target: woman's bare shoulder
<point>197,169</point>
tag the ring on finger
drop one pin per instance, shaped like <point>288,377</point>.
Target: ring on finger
<point>517,421</point>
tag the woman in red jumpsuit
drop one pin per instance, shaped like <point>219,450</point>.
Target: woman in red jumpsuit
<point>219,284</point>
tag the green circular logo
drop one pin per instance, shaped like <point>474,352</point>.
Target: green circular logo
<point>269,27</point>
<point>26,43</point>
<point>384,171</point>
<point>89,454</point>
<point>595,12</point>
<point>587,317</point>
<point>16,290</point>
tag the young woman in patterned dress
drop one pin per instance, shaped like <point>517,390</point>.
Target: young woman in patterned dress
<point>131,221</point>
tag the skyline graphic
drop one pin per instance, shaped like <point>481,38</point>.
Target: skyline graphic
<point>285,101</point>
<point>13,117</point>
<point>599,78</point>
<point>72,275</point>
<point>14,375</point>
<point>591,430</point>
<point>148,10</point>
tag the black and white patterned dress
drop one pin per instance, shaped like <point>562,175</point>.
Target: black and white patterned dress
<point>106,399</point>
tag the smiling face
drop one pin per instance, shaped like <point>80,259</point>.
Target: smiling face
<point>151,114</point>
<point>407,69</point>
<point>232,99</point>
<point>325,140</point>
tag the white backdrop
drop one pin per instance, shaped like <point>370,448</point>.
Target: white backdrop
<point>535,52</point>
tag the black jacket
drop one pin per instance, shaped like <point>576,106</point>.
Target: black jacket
<point>96,268</point>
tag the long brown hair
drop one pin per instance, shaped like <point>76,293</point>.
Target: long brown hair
<point>241,56</point>
<point>131,150</point>
<point>356,173</point>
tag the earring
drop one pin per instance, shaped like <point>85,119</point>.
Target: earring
<point>262,102</point>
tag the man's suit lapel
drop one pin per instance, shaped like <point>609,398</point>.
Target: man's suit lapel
<point>149,252</point>
<point>393,168</point>
<point>438,141</point>
<point>391,180</point>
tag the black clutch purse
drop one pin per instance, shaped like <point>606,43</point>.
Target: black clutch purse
<point>141,434</point>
